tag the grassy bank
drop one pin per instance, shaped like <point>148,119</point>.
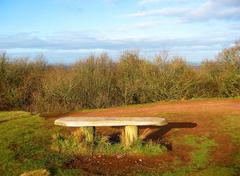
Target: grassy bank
<point>25,145</point>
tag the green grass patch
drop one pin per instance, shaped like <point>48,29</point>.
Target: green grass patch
<point>216,171</point>
<point>199,156</point>
<point>65,172</point>
<point>231,126</point>
<point>148,148</point>
<point>200,160</point>
<point>69,144</point>
<point>7,116</point>
<point>25,144</point>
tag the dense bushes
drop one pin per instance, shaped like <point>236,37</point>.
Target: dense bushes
<point>98,81</point>
<point>19,81</point>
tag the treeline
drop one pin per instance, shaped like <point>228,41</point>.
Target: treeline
<point>98,81</point>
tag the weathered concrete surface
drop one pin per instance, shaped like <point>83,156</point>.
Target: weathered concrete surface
<point>110,121</point>
<point>130,135</point>
<point>86,134</point>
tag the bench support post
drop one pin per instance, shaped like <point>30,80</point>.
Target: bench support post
<point>130,135</point>
<point>85,133</point>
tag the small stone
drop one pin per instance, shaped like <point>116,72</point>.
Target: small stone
<point>119,156</point>
<point>42,172</point>
<point>140,160</point>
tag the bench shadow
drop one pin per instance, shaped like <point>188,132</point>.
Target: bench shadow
<point>157,133</point>
<point>4,121</point>
<point>161,131</point>
<point>7,120</point>
<point>115,137</point>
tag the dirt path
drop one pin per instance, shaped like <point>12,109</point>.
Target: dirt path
<point>189,107</point>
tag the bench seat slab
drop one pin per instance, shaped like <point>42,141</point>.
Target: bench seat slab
<point>110,121</point>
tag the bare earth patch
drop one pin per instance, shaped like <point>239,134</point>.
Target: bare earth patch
<point>194,117</point>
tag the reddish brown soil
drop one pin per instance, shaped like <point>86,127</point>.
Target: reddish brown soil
<point>197,117</point>
<point>119,164</point>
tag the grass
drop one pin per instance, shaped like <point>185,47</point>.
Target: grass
<point>69,144</point>
<point>199,156</point>
<point>148,148</point>
<point>25,145</point>
<point>231,126</point>
<point>216,171</point>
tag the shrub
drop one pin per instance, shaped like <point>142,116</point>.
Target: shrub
<point>98,81</point>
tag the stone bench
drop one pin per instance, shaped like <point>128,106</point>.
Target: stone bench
<point>130,125</point>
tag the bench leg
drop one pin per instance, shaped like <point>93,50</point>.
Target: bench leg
<point>87,133</point>
<point>130,135</point>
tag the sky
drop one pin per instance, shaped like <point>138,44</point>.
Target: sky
<point>66,30</point>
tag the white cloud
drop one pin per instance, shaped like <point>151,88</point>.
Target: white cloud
<point>207,10</point>
<point>140,25</point>
<point>110,2</point>
<point>83,42</point>
<point>172,11</point>
<point>148,24</point>
<point>72,45</point>
<point>225,2</point>
<point>148,1</point>
<point>212,9</point>
<point>142,2</point>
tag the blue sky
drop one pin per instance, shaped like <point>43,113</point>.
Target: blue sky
<point>65,30</point>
